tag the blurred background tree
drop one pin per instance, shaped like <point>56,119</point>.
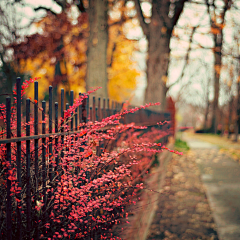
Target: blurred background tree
<point>70,50</point>
<point>158,30</point>
<point>10,33</point>
<point>185,49</point>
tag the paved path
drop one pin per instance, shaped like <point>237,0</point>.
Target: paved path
<point>221,177</point>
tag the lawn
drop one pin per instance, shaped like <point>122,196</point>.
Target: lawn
<point>180,145</point>
<point>225,144</point>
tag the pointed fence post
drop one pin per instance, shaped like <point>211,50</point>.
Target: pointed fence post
<point>18,160</point>
<point>50,131</point>
<point>9,184</point>
<point>28,176</point>
<point>36,150</point>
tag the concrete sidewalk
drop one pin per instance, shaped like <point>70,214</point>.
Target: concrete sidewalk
<point>221,177</point>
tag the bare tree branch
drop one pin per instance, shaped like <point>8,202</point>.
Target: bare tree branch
<point>143,24</point>
<point>80,6</point>
<point>186,59</point>
<point>121,21</point>
<point>179,5</point>
<point>46,9</point>
<point>61,3</point>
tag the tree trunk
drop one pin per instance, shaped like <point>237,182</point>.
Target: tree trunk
<point>157,64</point>
<point>236,132</point>
<point>230,108</point>
<point>207,106</point>
<point>60,74</point>
<point>216,28</point>
<point>222,121</point>
<point>206,116</point>
<point>217,66</point>
<point>97,47</point>
<point>158,33</point>
<point>237,123</point>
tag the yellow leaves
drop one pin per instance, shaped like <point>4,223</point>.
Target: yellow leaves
<point>37,68</point>
<point>63,67</point>
<point>75,31</point>
<point>122,74</point>
<point>77,88</point>
<point>72,57</point>
<point>84,26</point>
<point>164,79</point>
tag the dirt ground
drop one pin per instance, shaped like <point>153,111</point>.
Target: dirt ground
<point>183,210</point>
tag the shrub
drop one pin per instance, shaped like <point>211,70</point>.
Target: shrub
<point>95,173</point>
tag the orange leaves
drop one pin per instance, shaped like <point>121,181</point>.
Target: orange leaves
<point>58,53</point>
<point>238,79</point>
<point>215,30</point>
<point>217,69</point>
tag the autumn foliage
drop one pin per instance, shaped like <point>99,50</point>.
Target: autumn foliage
<point>96,172</point>
<point>58,54</point>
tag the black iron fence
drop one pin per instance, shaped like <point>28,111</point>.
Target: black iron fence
<point>51,132</point>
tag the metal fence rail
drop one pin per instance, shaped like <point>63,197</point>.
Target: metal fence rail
<point>83,113</point>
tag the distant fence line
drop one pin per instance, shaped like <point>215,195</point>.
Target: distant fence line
<point>82,114</point>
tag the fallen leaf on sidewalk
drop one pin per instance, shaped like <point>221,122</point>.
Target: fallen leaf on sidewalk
<point>183,211</point>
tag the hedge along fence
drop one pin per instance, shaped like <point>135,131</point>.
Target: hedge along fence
<point>69,182</point>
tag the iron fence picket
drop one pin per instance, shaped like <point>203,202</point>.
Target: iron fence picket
<point>28,176</point>
<point>71,104</point>
<point>36,149</point>
<point>44,168</point>
<point>94,110</point>
<point>50,123</point>
<point>104,108</point>
<point>68,124</point>
<point>9,185</point>
<point>99,109</point>
<point>97,119</point>
<point>108,107</point>
<point>18,159</point>
<point>82,114</point>
<point>56,139</point>
<point>87,109</point>
<point>76,119</point>
<point>112,108</point>
<point>62,121</point>
<point>91,114</point>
